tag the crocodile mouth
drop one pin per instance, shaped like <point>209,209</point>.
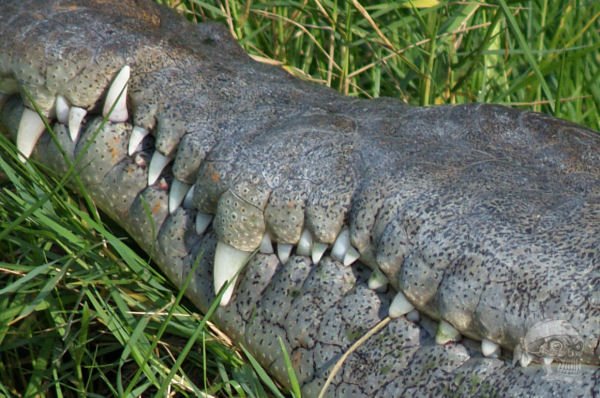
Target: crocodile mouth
<point>417,207</point>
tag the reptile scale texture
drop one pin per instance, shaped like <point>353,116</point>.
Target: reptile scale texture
<point>484,221</point>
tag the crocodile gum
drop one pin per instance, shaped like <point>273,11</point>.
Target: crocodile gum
<point>468,225</point>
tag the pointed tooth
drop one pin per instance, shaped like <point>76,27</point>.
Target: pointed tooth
<point>157,164</point>
<point>266,246</point>
<point>76,115</point>
<point>189,196</point>
<point>413,316</point>
<point>30,130</point>
<point>305,243</point>
<point>283,252</point>
<point>228,262</point>
<point>525,359</point>
<point>62,110</point>
<point>351,256</point>
<point>137,136</point>
<point>489,348</point>
<point>202,222</point>
<point>117,95</point>
<point>318,250</point>
<point>341,245</point>
<point>446,333</point>
<point>176,194</point>
<point>377,280</point>
<point>400,306</point>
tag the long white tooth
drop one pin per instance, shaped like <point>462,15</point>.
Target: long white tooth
<point>228,262</point>
<point>157,164</point>
<point>489,348</point>
<point>76,115</point>
<point>189,196</point>
<point>117,95</point>
<point>377,280</point>
<point>62,110</point>
<point>137,136</point>
<point>351,256</point>
<point>305,243</point>
<point>176,194</point>
<point>341,245</point>
<point>30,130</point>
<point>318,250</point>
<point>283,252</point>
<point>400,306</point>
<point>446,333</point>
<point>266,246</point>
<point>202,222</point>
<point>413,316</point>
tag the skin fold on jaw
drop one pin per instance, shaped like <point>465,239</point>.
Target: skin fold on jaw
<point>478,221</point>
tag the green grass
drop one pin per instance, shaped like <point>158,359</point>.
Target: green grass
<point>82,313</point>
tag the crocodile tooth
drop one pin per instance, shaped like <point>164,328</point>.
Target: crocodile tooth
<point>189,196</point>
<point>137,136</point>
<point>377,280</point>
<point>413,316</point>
<point>283,252</point>
<point>400,306</point>
<point>228,262</point>
<point>351,256</point>
<point>176,194</point>
<point>266,246</point>
<point>305,244</point>
<point>525,359</point>
<point>157,164</point>
<point>489,348</point>
<point>76,115</point>
<point>62,110</point>
<point>446,333</point>
<point>341,245</point>
<point>117,96</point>
<point>547,361</point>
<point>30,130</point>
<point>318,250</point>
<point>202,222</point>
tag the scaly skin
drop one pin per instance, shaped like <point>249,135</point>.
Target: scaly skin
<point>482,216</point>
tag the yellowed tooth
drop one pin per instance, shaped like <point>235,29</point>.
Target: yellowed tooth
<point>377,280</point>
<point>305,244</point>
<point>76,116</point>
<point>30,130</point>
<point>446,333</point>
<point>228,263</point>
<point>400,306</point>
<point>117,96</point>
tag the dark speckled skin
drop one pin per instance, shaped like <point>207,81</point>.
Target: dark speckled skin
<point>486,217</point>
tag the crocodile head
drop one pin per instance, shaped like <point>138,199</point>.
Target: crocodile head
<point>455,229</point>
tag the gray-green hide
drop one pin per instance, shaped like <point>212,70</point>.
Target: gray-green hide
<point>485,217</point>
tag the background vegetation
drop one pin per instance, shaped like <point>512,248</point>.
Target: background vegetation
<point>83,313</point>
